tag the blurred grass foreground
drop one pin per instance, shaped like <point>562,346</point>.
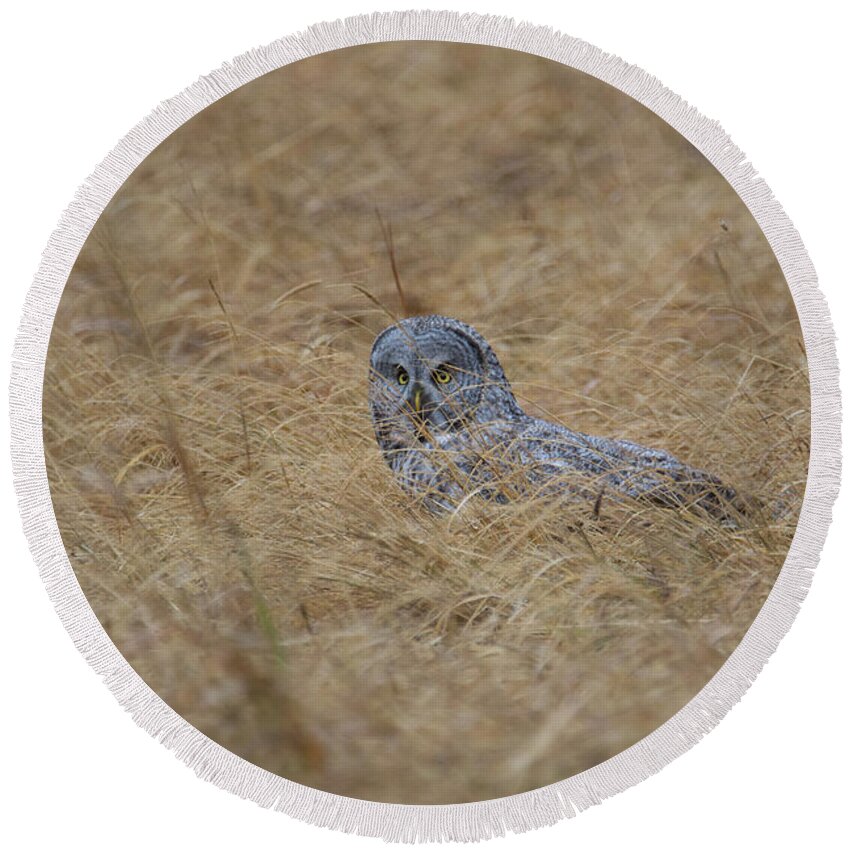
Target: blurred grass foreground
<point>212,462</point>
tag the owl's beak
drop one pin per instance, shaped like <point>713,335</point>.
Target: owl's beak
<point>419,405</point>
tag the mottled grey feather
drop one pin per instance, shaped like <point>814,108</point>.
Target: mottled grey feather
<point>446,439</point>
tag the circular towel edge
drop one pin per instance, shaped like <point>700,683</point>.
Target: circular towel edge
<point>395,822</point>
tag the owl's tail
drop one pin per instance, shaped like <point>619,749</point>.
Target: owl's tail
<point>705,494</point>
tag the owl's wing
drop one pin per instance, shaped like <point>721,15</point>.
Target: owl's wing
<point>629,468</point>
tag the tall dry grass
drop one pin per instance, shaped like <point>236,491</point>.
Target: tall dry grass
<point>218,486</point>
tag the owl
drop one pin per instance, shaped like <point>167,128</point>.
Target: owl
<point>450,428</point>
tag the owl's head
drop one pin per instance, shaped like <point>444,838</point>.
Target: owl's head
<point>438,372</point>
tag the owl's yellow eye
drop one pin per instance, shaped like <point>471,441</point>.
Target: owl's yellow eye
<point>402,376</point>
<point>442,376</point>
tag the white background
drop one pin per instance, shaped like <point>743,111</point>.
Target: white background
<point>75,769</point>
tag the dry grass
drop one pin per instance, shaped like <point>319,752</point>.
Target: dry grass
<point>218,486</point>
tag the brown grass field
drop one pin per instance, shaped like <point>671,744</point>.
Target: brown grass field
<point>212,462</point>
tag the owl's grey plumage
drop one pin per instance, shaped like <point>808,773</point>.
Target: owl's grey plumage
<point>449,426</point>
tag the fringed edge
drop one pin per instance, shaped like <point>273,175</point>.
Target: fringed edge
<point>472,821</point>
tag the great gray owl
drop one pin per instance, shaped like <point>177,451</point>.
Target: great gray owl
<point>449,426</point>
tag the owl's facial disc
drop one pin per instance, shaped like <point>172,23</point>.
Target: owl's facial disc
<point>423,391</point>
<point>428,378</point>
